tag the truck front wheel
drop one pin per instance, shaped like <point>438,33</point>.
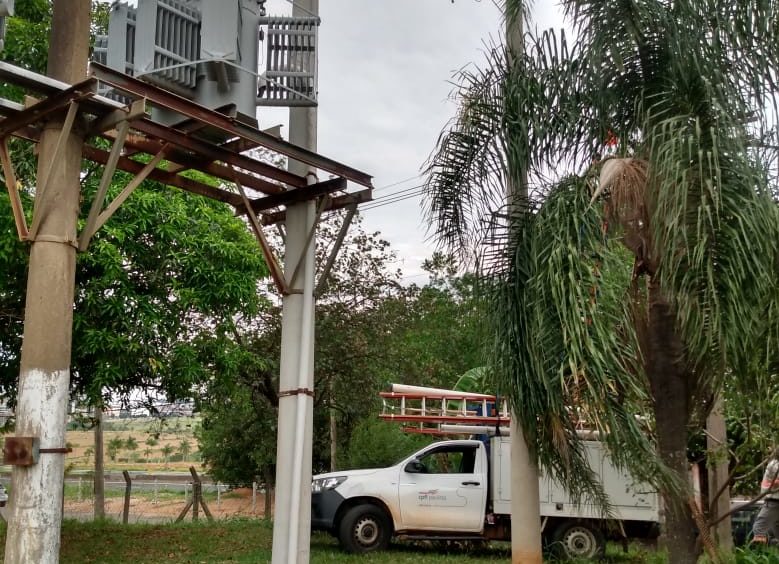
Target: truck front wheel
<point>364,528</point>
<point>578,539</point>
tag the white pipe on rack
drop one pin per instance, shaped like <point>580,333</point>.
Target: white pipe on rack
<point>440,392</point>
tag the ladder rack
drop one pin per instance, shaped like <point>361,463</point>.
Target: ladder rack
<point>431,408</point>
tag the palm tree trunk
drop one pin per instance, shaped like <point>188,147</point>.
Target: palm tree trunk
<point>668,380</point>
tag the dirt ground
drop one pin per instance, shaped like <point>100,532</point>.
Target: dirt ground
<point>237,504</point>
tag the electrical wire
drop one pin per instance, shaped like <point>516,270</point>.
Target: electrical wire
<point>394,200</point>
<point>409,179</point>
<point>396,193</point>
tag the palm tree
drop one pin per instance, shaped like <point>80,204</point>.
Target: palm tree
<point>185,448</point>
<point>641,269</point>
<point>166,450</point>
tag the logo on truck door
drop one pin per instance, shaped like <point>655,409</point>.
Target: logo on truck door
<point>431,497</point>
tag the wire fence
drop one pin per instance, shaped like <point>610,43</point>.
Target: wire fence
<point>156,500</point>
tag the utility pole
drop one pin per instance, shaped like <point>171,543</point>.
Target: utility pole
<point>292,518</point>
<point>718,473</point>
<point>44,375</point>
<point>99,479</point>
<point>525,503</point>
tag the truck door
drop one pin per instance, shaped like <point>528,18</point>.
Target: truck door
<point>444,489</point>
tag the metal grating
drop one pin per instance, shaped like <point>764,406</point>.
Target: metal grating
<point>176,43</point>
<point>100,50</point>
<point>290,75</point>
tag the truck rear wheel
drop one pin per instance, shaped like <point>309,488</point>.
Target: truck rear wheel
<point>578,539</point>
<point>365,528</point>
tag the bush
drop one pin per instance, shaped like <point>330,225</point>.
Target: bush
<point>376,444</point>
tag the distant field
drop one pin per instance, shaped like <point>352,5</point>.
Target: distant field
<point>160,445</point>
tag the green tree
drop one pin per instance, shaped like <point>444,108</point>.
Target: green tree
<point>167,271</point>
<point>376,444</point>
<point>351,361</point>
<point>673,95</point>
<point>185,449</point>
<point>166,451</point>
<point>130,443</point>
<point>440,331</point>
<point>114,446</point>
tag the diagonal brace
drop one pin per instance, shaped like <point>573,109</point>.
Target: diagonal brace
<point>275,269</point>
<point>105,181</point>
<point>13,190</point>
<point>39,210</point>
<point>123,195</point>
<point>322,284</point>
<point>311,233</point>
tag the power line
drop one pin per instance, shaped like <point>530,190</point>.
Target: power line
<point>409,179</point>
<point>395,200</point>
<point>396,193</point>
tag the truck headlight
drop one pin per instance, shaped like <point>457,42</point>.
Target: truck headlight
<point>322,484</point>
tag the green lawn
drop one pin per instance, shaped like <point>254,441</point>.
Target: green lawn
<point>249,541</point>
<point>239,540</point>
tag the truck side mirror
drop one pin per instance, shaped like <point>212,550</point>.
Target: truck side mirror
<point>415,467</point>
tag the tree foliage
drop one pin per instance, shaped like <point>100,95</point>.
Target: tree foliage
<point>167,273</point>
<point>654,131</point>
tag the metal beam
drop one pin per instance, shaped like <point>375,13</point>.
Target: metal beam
<point>105,181</point>
<point>13,191</point>
<point>165,177</point>
<point>337,203</point>
<point>298,195</point>
<point>216,153</point>
<point>40,210</point>
<point>276,271</point>
<point>48,106</point>
<point>106,214</point>
<point>132,112</point>
<point>182,160</point>
<point>322,284</point>
<point>190,109</point>
<point>47,85</point>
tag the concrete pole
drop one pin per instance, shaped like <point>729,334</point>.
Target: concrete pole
<point>44,375</point>
<point>526,545</point>
<point>292,517</point>
<point>99,478</point>
<point>718,474</point>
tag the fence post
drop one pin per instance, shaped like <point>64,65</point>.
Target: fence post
<point>254,497</point>
<point>78,497</point>
<point>127,489</point>
<point>154,499</point>
<point>218,496</point>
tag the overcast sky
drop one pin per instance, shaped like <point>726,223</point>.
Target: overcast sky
<point>384,83</point>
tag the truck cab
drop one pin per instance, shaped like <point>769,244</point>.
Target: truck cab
<point>440,490</point>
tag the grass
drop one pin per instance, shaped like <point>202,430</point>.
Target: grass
<point>250,540</point>
<point>240,541</point>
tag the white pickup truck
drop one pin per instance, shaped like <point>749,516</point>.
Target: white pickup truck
<point>459,490</point>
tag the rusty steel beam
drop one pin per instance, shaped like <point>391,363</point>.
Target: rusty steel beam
<point>215,153</point>
<point>195,111</point>
<point>187,184</point>
<point>114,117</point>
<point>337,203</point>
<point>13,191</point>
<point>296,196</point>
<point>52,104</point>
<point>186,161</point>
